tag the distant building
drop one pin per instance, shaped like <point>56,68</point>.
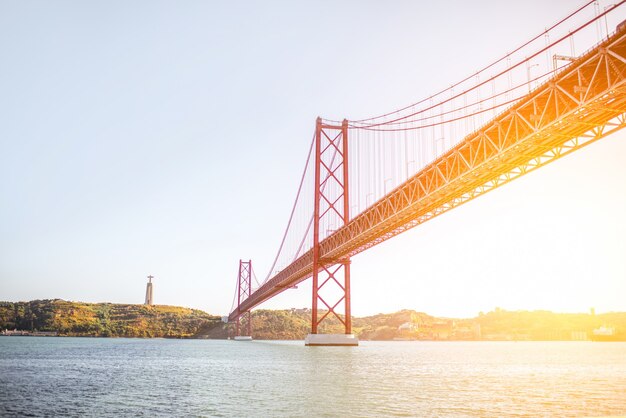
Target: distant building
<point>16,332</point>
<point>149,300</point>
<point>300,311</point>
<point>442,329</point>
<point>466,331</point>
<point>408,326</point>
<point>407,331</point>
<point>604,331</point>
<point>477,332</point>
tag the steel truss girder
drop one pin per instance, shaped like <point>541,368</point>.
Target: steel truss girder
<point>582,103</point>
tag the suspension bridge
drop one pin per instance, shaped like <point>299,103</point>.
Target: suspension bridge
<point>368,180</point>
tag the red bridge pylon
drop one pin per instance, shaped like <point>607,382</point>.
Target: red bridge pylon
<point>331,278</point>
<point>244,290</point>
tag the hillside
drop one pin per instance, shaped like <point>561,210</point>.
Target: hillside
<point>546,325</point>
<point>119,320</point>
<point>105,319</point>
<point>294,324</point>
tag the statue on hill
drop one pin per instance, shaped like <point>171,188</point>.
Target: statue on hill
<point>149,300</point>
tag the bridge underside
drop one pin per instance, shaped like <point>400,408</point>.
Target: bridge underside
<point>581,104</point>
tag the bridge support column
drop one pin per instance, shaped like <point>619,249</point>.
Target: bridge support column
<point>244,289</point>
<point>331,277</point>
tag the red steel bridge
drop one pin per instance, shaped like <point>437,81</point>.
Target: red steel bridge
<point>368,180</point>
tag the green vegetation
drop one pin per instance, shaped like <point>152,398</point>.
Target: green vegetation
<point>546,325</point>
<point>295,324</point>
<point>407,324</point>
<point>117,320</point>
<point>105,319</point>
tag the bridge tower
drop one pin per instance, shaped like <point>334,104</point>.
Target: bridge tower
<point>331,277</point>
<point>244,290</point>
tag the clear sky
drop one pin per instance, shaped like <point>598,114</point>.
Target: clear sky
<point>167,138</point>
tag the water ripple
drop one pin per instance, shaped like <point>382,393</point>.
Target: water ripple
<point>134,377</point>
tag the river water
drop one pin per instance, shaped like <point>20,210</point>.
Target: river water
<point>42,376</point>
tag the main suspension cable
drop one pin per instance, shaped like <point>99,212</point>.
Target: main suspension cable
<point>293,210</point>
<point>493,77</point>
<point>560,22</point>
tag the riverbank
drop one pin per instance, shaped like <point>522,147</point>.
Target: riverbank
<point>124,320</point>
<point>80,319</point>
